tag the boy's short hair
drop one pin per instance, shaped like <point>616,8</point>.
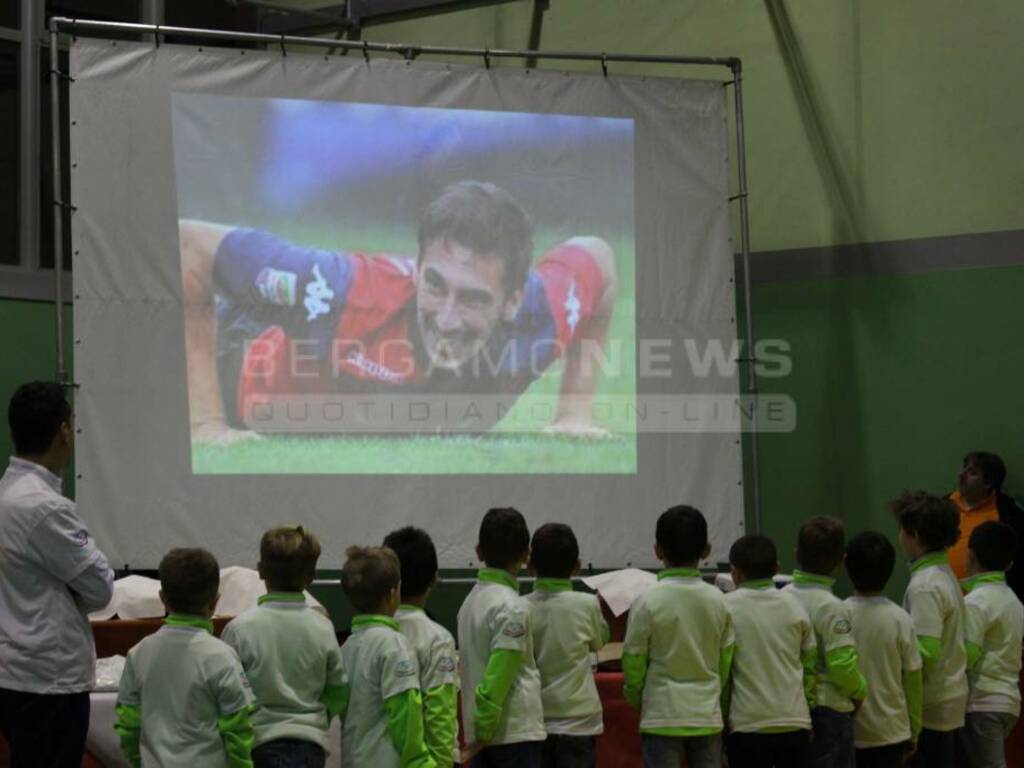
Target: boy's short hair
<point>504,537</point>
<point>34,415</point>
<point>934,520</point>
<point>993,469</point>
<point>554,551</point>
<point>870,558</point>
<point>682,534</point>
<point>755,556</point>
<point>368,575</point>
<point>994,545</point>
<point>189,580</point>
<point>819,545</point>
<point>288,556</point>
<point>417,557</point>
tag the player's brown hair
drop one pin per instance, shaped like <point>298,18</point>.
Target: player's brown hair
<point>189,580</point>
<point>820,545</point>
<point>368,575</point>
<point>485,219</point>
<point>934,520</point>
<point>288,557</point>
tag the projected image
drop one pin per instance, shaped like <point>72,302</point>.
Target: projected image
<point>375,289</point>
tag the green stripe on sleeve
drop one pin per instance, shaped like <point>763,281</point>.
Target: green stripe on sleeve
<point>809,659</point>
<point>129,729</point>
<point>634,668</point>
<point>439,711</point>
<point>844,672</point>
<point>405,727</point>
<point>335,699</point>
<point>974,654</point>
<point>930,648</point>
<point>236,731</point>
<point>913,688</point>
<point>502,668</point>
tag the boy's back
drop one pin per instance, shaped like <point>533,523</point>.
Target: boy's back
<point>832,630</point>
<point>183,681</point>
<point>935,603</point>
<point>995,624</point>
<point>682,626</point>
<point>494,617</point>
<point>567,627</point>
<point>292,659</point>
<point>437,660</point>
<point>887,647</point>
<point>380,664</point>
<point>774,637</point>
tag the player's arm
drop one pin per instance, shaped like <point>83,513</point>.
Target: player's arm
<point>574,413</point>
<point>199,241</point>
<point>128,724</point>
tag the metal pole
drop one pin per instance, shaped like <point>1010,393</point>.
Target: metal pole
<point>58,211</point>
<point>741,167</point>
<point>28,135</point>
<point>408,51</point>
<point>152,11</point>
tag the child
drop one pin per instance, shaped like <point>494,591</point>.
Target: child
<point>771,689</point>
<point>184,699</point>
<point>433,644</point>
<point>502,715</point>
<point>678,650</point>
<point>889,721</point>
<point>994,627</point>
<point>567,628</point>
<point>819,553</point>
<point>384,720</point>
<point>290,655</point>
<point>928,525</point>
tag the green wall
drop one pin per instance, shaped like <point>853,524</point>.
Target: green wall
<point>866,121</point>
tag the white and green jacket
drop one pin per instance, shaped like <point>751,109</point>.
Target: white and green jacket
<point>185,700</point>
<point>994,628</point>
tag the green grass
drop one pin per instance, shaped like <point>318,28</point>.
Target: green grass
<point>512,447</point>
<point>426,455</point>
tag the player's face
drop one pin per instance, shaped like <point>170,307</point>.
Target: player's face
<point>460,299</point>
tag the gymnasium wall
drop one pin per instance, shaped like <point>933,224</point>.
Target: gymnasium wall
<point>883,149</point>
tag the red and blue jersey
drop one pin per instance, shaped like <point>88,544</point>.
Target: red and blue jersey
<point>295,320</point>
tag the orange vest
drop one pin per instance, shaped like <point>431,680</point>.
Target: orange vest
<point>970,518</point>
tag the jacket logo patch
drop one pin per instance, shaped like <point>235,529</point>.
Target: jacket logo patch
<point>515,629</point>
<point>446,664</point>
<point>842,627</point>
<point>405,668</point>
<point>81,538</point>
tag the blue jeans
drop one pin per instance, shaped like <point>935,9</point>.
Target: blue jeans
<point>522,754</point>
<point>289,753</point>
<point>984,738</point>
<point>832,743</point>
<point>564,751</point>
<point>765,750</point>
<point>668,751</point>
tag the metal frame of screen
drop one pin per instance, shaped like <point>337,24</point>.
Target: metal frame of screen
<point>63,209</point>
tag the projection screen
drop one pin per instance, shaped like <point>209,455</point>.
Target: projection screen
<point>357,295</point>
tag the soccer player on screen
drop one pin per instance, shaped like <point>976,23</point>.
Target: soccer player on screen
<point>469,316</point>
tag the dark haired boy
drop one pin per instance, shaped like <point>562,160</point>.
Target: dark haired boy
<point>502,715</point>
<point>771,688</point>
<point>929,525</point>
<point>291,656</point>
<point>567,628</point>
<point>184,698</point>
<point>819,554</point>
<point>889,720</point>
<point>384,719</point>
<point>994,629</point>
<point>678,650</point>
<point>433,644</point>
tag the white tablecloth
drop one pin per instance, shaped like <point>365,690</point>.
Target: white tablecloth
<point>103,744</point>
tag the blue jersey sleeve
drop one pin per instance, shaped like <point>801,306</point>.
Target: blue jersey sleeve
<point>257,269</point>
